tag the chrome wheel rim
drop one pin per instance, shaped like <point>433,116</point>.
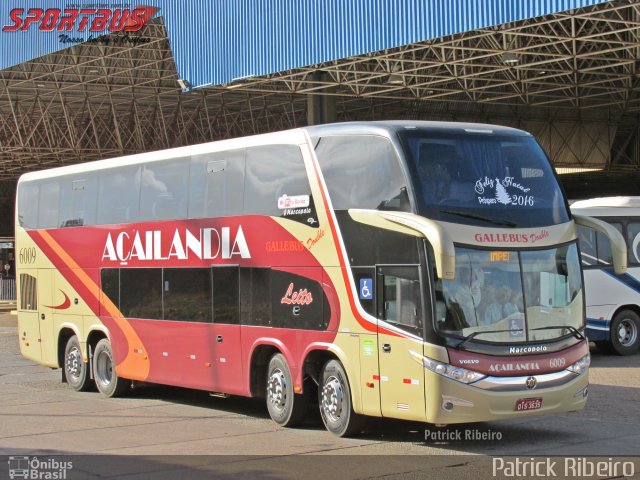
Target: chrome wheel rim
<point>73,363</point>
<point>627,332</point>
<point>104,368</point>
<point>332,398</point>
<point>277,389</point>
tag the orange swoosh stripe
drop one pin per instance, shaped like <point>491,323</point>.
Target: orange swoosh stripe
<point>135,365</point>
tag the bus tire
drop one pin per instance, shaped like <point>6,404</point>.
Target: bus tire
<point>334,398</point>
<point>104,372</point>
<point>76,370</point>
<point>285,407</point>
<point>625,332</point>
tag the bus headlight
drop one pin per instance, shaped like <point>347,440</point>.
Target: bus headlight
<point>581,365</point>
<point>455,373</point>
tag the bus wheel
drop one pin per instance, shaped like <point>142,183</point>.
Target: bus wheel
<point>334,397</point>
<point>625,328</point>
<point>285,408</point>
<point>104,371</point>
<point>76,371</point>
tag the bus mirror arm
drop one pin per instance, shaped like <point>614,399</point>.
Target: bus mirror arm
<point>443,248</point>
<point>618,244</point>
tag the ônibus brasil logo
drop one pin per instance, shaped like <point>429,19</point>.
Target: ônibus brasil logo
<point>101,20</point>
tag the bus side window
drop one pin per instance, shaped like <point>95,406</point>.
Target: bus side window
<point>141,293</point>
<point>216,184</point>
<point>163,190</point>
<point>186,294</point>
<point>119,195</point>
<point>604,246</point>
<point>226,295</point>
<point>587,240</point>
<point>362,171</point>
<point>78,197</point>
<point>271,172</point>
<point>48,205</point>
<point>28,205</point>
<point>110,285</point>
<point>633,241</point>
<point>400,300</point>
<point>255,296</point>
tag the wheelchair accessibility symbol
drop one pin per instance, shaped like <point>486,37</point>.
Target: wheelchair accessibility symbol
<point>366,288</point>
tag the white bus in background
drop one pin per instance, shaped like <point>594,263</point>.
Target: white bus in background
<point>613,301</point>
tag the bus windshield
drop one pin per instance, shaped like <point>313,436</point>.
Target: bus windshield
<point>483,179</point>
<point>512,296</point>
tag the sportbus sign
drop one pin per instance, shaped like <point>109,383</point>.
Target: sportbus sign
<point>73,22</point>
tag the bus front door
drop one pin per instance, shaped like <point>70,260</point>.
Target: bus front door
<point>402,393</point>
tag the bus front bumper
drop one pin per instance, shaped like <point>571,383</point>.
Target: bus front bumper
<point>498,398</point>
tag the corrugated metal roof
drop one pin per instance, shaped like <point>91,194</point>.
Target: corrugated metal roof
<point>219,41</point>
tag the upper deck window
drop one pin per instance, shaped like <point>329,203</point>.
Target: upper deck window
<point>483,179</point>
<point>362,171</point>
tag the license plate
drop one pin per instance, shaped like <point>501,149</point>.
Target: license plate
<point>525,404</point>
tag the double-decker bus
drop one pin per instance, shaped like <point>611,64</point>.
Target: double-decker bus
<point>613,301</point>
<point>414,270</point>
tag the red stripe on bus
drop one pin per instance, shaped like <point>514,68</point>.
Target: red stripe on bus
<point>354,309</point>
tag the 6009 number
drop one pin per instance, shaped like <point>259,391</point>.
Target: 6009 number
<point>27,256</point>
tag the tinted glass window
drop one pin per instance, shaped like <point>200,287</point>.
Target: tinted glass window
<point>163,194</point>
<point>141,293</point>
<point>588,245</point>
<point>226,295</point>
<point>217,184</point>
<point>362,172</point>
<point>187,294</point>
<point>273,172</point>
<point>255,299</point>
<point>509,296</point>
<point>595,247</point>
<point>110,279</point>
<point>48,204</point>
<point>118,195</point>
<point>28,292</point>
<point>78,200</point>
<point>633,240</point>
<point>382,247</point>
<point>28,205</point>
<point>400,292</point>
<point>483,179</point>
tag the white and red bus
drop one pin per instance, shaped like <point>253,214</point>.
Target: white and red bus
<point>415,270</point>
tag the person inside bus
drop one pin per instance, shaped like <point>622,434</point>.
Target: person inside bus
<point>444,173</point>
<point>501,307</point>
<point>462,297</point>
<point>433,172</point>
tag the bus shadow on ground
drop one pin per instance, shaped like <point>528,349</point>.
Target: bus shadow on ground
<point>551,434</point>
<point>233,405</point>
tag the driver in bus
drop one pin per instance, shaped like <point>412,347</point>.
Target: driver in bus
<point>463,295</point>
<point>501,307</point>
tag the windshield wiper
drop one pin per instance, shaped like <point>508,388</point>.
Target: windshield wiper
<point>480,217</point>
<point>475,334</point>
<point>574,331</point>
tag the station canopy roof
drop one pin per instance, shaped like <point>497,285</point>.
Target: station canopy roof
<point>209,70</point>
